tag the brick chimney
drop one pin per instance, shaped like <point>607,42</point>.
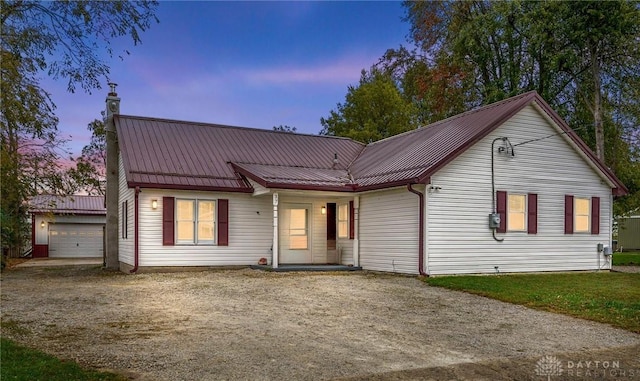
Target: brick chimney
<point>111,260</point>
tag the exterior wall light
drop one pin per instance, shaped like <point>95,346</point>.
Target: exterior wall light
<point>323,210</point>
<point>154,204</point>
<point>42,224</point>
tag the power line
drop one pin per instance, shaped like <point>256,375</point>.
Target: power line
<point>548,136</point>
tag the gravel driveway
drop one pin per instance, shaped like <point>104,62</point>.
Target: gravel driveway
<point>253,325</point>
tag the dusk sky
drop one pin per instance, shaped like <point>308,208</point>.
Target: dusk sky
<point>250,64</point>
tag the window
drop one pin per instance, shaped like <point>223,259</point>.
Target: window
<point>516,218</point>
<point>125,215</point>
<point>298,237</point>
<point>518,212</point>
<point>343,221</point>
<point>195,221</point>
<point>582,215</point>
<point>206,212</point>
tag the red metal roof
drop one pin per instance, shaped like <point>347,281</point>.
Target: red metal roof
<point>173,154</point>
<point>76,204</point>
<point>185,155</point>
<point>416,154</point>
<point>275,176</point>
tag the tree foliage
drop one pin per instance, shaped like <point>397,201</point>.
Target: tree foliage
<point>583,57</point>
<point>66,40</point>
<point>89,173</point>
<point>285,128</point>
<point>373,110</point>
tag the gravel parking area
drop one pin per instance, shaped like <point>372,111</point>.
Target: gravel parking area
<point>254,325</point>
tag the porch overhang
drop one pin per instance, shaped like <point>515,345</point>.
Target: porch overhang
<point>296,178</point>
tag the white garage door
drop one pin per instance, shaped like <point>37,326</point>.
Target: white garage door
<point>75,240</point>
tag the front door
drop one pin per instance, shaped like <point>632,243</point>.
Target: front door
<point>295,233</point>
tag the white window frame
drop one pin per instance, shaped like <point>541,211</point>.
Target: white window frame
<point>195,223</point>
<point>524,212</point>
<point>589,215</point>
<point>344,221</point>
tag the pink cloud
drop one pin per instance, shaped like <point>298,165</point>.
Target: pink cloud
<point>343,71</point>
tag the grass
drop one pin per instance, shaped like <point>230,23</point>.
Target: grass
<point>612,298</point>
<point>626,259</point>
<point>22,363</point>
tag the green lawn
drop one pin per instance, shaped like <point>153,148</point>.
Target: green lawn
<point>24,364</point>
<point>612,298</point>
<point>624,258</point>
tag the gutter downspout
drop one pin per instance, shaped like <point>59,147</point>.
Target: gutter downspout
<point>421,231</point>
<point>135,232</point>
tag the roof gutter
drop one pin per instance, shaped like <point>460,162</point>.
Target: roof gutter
<point>135,233</point>
<point>421,230</point>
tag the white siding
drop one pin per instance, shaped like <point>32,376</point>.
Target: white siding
<point>41,233</point>
<point>345,245</point>
<point>389,222</point>
<point>459,238</point>
<point>250,232</point>
<point>125,245</point>
<point>78,219</point>
<point>319,227</point>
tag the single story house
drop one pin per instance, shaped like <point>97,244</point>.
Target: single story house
<point>67,226</point>
<point>508,187</point>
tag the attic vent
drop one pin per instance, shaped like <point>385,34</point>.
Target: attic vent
<point>335,160</point>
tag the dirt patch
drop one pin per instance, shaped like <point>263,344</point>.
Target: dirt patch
<point>13,262</point>
<point>626,269</point>
<point>248,324</point>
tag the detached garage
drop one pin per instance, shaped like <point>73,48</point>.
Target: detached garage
<point>67,226</point>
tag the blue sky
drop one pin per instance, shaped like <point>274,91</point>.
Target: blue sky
<point>251,64</point>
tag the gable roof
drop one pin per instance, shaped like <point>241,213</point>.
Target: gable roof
<point>172,154</point>
<point>185,155</point>
<point>76,204</point>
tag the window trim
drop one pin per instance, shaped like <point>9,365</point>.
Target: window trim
<point>524,213</point>
<point>195,221</point>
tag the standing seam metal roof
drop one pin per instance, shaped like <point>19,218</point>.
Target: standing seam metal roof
<point>165,153</point>
<point>77,204</point>
<point>186,155</point>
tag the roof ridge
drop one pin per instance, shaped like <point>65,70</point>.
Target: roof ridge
<point>64,196</point>
<point>216,125</point>
<point>287,166</point>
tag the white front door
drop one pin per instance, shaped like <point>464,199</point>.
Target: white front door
<point>295,233</point>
